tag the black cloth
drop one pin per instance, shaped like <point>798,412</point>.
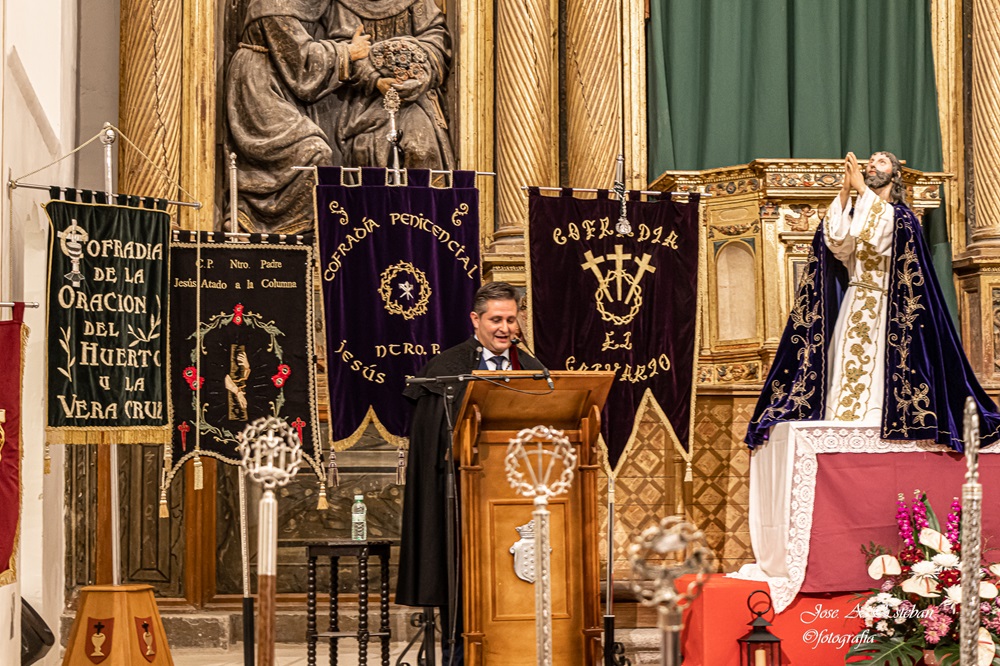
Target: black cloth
<point>423,562</point>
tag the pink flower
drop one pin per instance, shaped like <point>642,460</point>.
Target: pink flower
<point>953,530</point>
<point>903,519</point>
<point>936,624</point>
<point>919,511</point>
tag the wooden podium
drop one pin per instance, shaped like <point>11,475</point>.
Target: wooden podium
<point>499,607</point>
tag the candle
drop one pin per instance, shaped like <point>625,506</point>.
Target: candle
<point>760,657</point>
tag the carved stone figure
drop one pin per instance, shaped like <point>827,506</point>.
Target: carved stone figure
<point>411,51</point>
<point>305,88</point>
<point>285,63</point>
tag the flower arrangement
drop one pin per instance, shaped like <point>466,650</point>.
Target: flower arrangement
<point>915,611</point>
<point>400,57</point>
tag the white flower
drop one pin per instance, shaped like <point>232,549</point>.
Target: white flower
<point>954,594</point>
<point>945,560</point>
<point>987,590</point>
<point>884,565</point>
<point>934,539</point>
<point>922,581</point>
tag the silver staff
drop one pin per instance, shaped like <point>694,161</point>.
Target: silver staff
<point>272,454</point>
<point>623,227</point>
<point>686,546</point>
<point>391,104</point>
<point>972,508</point>
<point>548,459</point>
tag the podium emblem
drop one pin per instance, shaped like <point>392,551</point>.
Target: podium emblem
<point>523,551</point>
<point>144,633</point>
<point>98,644</point>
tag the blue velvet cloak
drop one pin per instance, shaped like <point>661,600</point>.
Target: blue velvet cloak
<point>927,376</point>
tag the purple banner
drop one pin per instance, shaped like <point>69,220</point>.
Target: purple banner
<point>629,304</point>
<point>399,267</point>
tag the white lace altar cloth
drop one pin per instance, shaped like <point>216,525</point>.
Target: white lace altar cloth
<point>782,493</point>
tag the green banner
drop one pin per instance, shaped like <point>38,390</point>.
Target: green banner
<point>107,342</point>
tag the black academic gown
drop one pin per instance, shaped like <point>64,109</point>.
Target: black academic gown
<point>423,563</point>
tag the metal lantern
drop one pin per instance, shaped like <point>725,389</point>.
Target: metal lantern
<point>760,647</point>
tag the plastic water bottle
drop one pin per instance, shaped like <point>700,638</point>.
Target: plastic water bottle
<point>359,519</point>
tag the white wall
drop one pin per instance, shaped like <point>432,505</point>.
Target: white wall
<point>38,91</point>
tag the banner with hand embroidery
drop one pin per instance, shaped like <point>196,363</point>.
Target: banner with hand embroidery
<point>107,347</point>
<point>399,265</point>
<point>13,341</point>
<point>628,304</point>
<point>241,347</point>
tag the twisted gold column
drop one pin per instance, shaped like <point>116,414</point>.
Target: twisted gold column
<point>593,91</point>
<point>986,120</point>
<point>149,107</point>
<point>526,108</point>
<point>946,26</point>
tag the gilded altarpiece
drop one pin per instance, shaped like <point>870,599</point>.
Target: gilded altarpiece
<point>496,77</point>
<point>758,224</point>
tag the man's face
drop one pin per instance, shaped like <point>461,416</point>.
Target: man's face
<point>495,327</point>
<point>878,173</point>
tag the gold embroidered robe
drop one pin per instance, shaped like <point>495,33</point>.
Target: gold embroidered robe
<point>863,243</point>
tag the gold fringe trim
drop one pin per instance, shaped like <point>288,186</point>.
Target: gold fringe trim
<point>647,403</point>
<point>322,504</point>
<point>370,417</point>
<point>96,435</point>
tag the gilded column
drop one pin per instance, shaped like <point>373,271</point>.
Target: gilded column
<point>527,141</point>
<point>946,26</point>
<point>198,112</point>
<point>986,120</point>
<point>978,267</point>
<point>149,107</point>
<point>593,91</point>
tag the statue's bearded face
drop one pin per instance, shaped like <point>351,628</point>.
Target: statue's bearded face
<point>878,173</point>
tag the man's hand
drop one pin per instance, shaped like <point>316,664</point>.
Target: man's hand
<point>857,178</point>
<point>383,85</point>
<point>411,89</point>
<point>360,44</point>
<point>845,186</point>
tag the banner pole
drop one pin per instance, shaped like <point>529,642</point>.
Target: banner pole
<point>108,137</point>
<point>233,194</point>
<point>248,622</point>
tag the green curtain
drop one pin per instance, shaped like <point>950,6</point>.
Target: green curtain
<point>730,81</point>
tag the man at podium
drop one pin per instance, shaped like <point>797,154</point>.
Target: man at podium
<point>423,558</point>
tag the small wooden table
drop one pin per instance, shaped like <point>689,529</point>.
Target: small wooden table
<point>362,550</point>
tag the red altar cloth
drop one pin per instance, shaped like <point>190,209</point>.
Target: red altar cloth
<point>856,496</point>
<point>815,630</point>
<point>820,490</point>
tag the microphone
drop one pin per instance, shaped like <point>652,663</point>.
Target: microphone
<point>517,342</point>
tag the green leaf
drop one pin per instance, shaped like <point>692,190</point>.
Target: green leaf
<point>882,651</point>
<point>932,521</point>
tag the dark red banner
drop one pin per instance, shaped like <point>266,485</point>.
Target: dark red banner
<point>13,337</point>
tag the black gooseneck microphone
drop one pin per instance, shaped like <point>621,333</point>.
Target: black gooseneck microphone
<point>517,342</point>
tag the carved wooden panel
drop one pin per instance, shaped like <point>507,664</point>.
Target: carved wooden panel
<point>152,549</point>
